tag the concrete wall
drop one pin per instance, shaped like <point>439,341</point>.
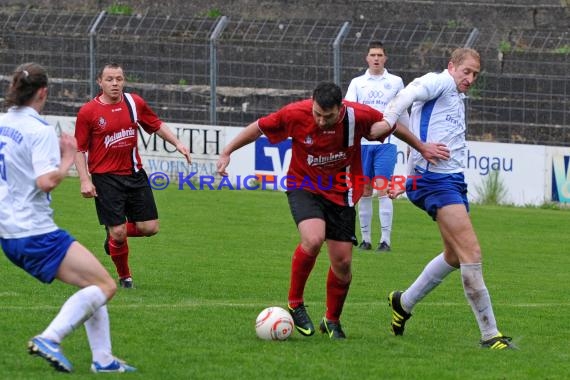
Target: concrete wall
<point>520,14</point>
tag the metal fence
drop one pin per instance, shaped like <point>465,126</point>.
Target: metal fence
<point>229,72</point>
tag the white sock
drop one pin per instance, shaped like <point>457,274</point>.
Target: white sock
<point>99,336</point>
<point>386,212</point>
<point>479,299</point>
<point>365,215</point>
<point>432,275</point>
<point>76,310</point>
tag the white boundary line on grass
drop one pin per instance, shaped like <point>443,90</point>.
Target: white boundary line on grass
<point>191,305</point>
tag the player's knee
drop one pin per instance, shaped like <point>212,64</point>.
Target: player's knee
<point>149,228</point>
<point>313,244</point>
<point>109,287</point>
<point>118,234</point>
<point>342,268</point>
<point>344,265</point>
<point>154,230</point>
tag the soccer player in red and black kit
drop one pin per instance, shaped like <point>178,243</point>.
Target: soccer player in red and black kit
<point>110,168</point>
<point>325,133</point>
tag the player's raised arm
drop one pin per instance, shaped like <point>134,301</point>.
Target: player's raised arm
<point>248,135</point>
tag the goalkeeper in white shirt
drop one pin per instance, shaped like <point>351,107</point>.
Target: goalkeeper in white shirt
<point>376,87</point>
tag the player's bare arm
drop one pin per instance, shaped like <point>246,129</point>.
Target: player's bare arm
<point>248,135</point>
<point>166,134</point>
<point>430,151</point>
<point>380,131</point>
<point>68,147</point>
<point>87,188</point>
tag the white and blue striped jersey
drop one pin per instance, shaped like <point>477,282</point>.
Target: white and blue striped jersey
<point>29,148</point>
<point>437,115</point>
<point>376,91</point>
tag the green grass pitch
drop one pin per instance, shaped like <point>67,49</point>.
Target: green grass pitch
<point>223,256</point>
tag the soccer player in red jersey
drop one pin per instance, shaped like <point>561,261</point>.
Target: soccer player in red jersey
<point>110,168</point>
<point>325,133</point>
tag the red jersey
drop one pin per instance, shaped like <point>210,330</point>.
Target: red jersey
<point>109,133</point>
<point>322,159</point>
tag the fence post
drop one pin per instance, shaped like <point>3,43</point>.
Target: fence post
<point>92,69</point>
<point>336,51</point>
<point>214,67</point>
<point>473,36</point>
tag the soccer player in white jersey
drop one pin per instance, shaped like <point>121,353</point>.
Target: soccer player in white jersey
<point>438,115</point>
<point>33,163</point>
<point>376,88</point>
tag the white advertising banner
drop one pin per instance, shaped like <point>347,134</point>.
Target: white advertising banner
<point>521,168</point>
<point>531,174</point>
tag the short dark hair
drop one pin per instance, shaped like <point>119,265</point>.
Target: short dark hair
<point>111,65</point>
<point>327,95</point>
<point>376,45</point>
<point>27,79</point>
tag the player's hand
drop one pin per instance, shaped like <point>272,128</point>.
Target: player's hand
<point>394,193</point>
<point>67,148</point>
<point>433,152</point>
<point>67,143</point>
<point>222,164</point>
<point>185,152</point>
<point>88,190</point>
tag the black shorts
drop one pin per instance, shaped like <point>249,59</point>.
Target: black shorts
<point>122,198</point>
<point>339,220</point>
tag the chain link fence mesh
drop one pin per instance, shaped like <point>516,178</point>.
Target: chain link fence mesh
<point>256,66</point>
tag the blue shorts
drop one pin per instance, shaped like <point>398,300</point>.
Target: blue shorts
<point>432,191</point>
<point>379,160</point>
<point>39,255</point>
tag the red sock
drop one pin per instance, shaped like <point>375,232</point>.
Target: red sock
<point>132,230</point>
<point>301,267</point>
<point>336,295</point>
<point>120,256</point>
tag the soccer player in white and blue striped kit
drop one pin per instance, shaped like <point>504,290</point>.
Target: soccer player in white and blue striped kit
<point>32,164</point>
<point>438,115</point>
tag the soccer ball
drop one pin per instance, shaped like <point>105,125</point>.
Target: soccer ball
<point>274,323</point>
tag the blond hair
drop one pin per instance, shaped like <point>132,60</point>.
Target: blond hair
<point>459,55</point>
